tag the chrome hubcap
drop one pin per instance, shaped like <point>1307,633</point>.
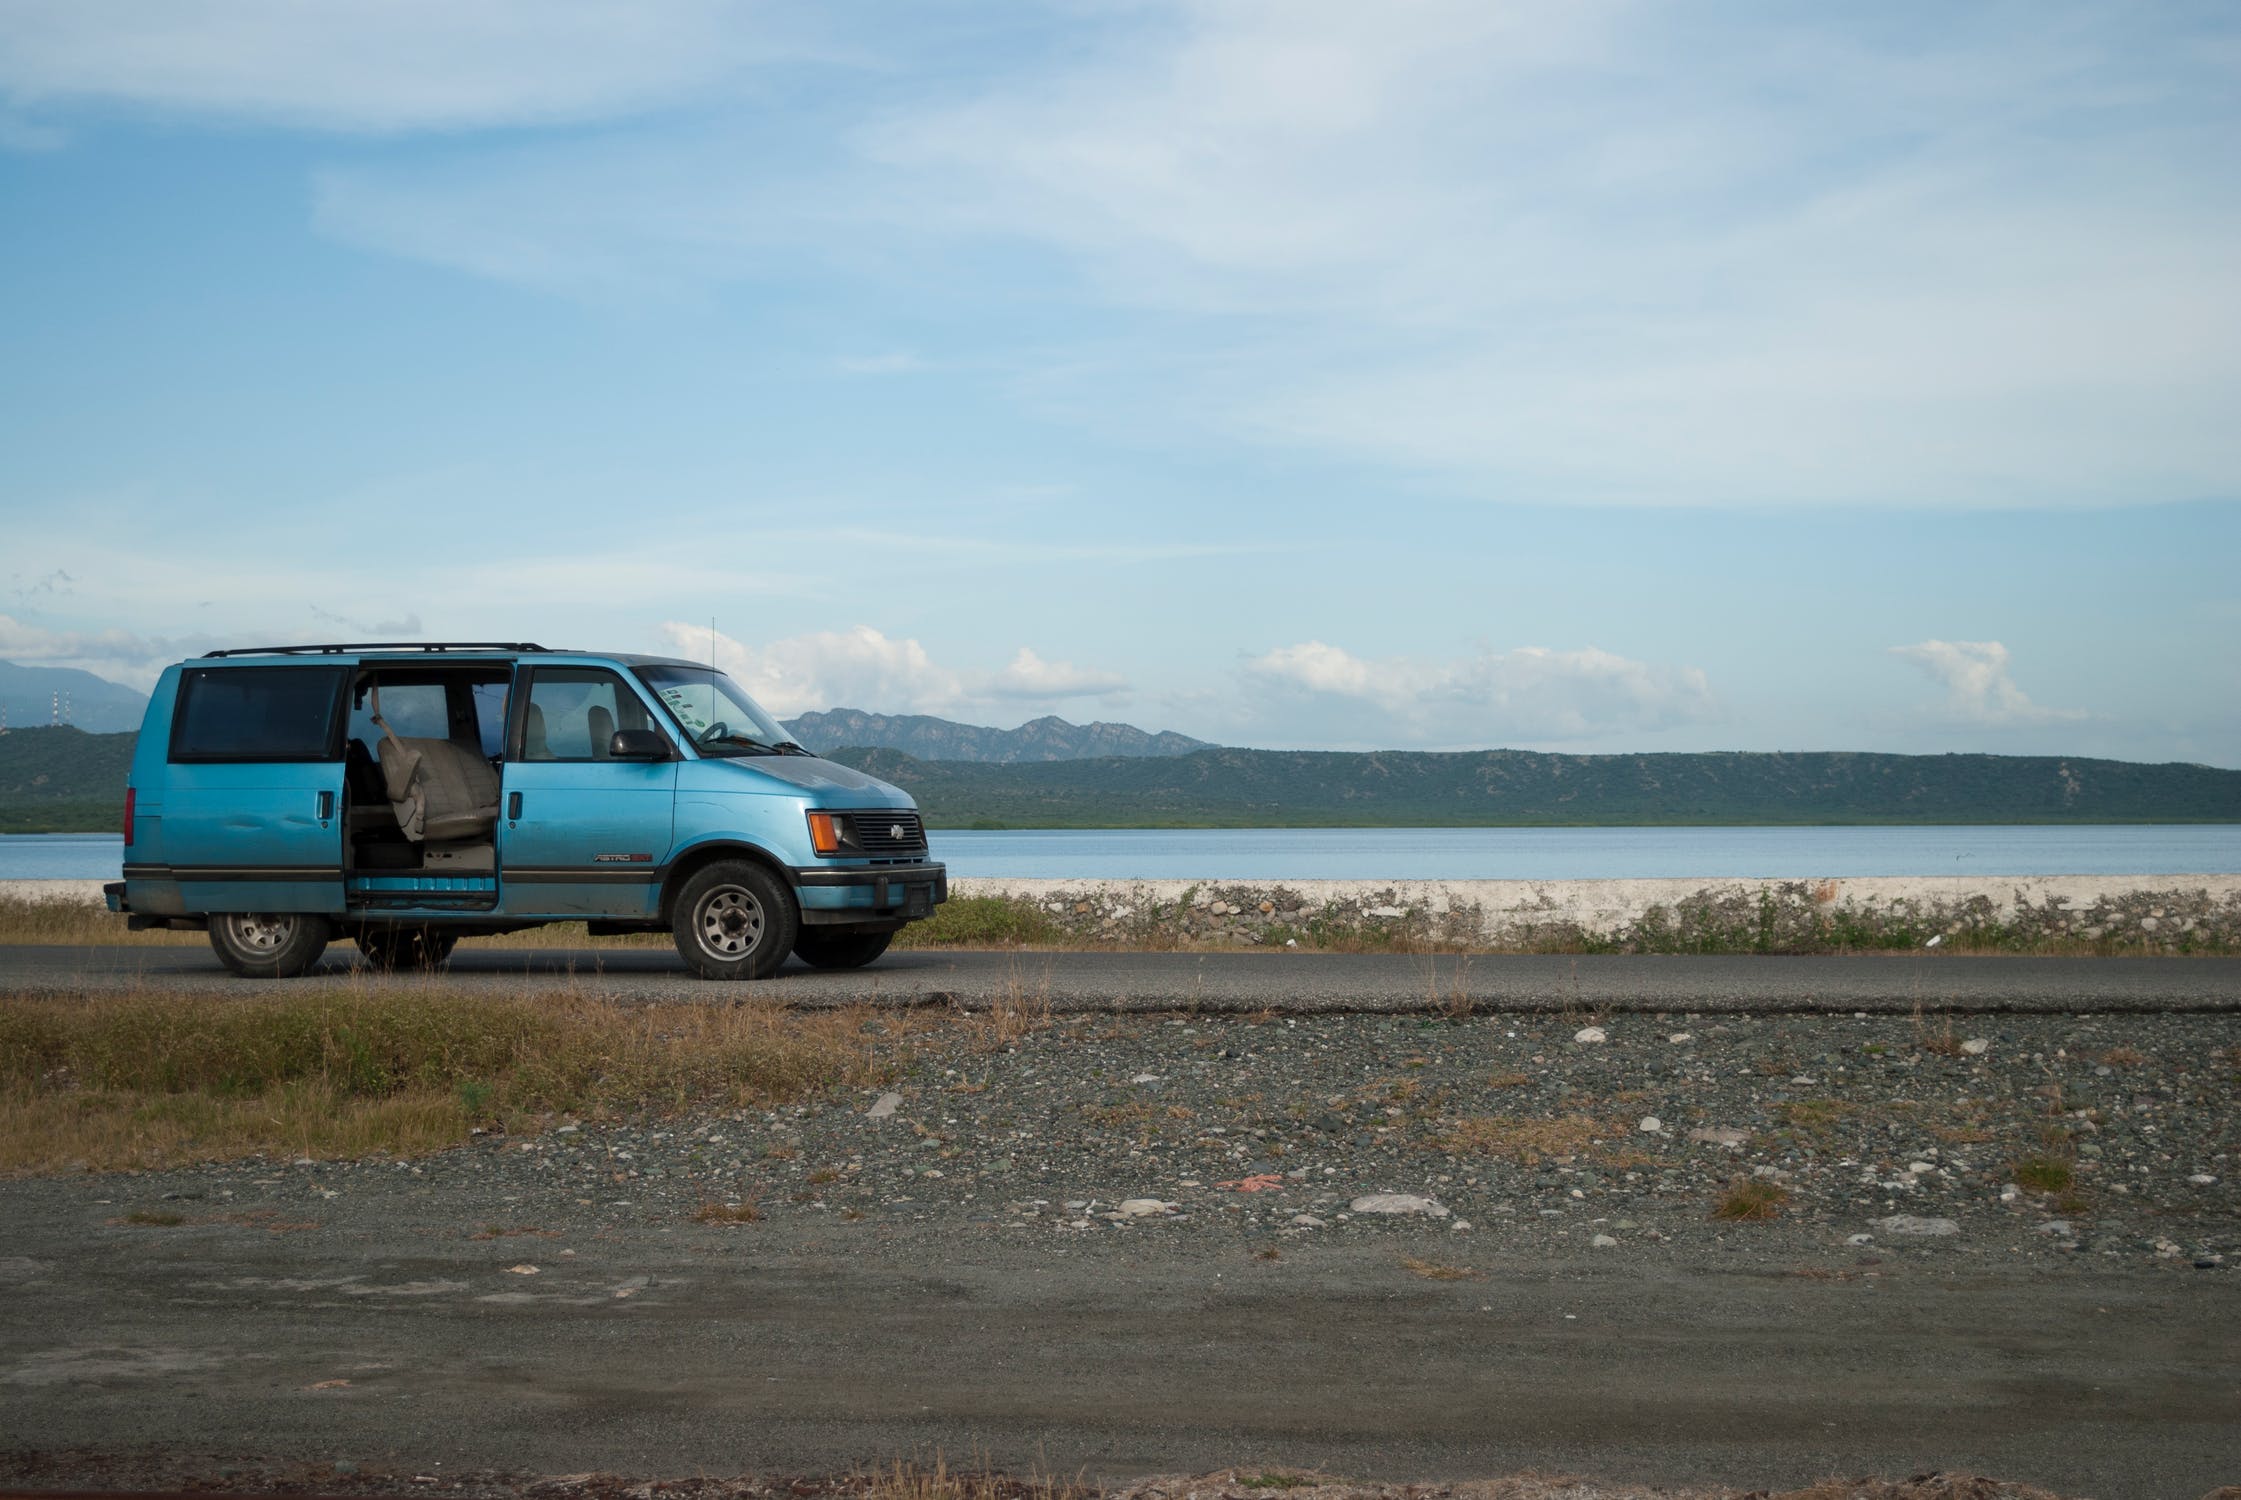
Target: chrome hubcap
<point>260,933</point>
<point>731,922</point>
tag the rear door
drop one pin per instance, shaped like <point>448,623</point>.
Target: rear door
<point>253,792</point>
<point>581,834</point>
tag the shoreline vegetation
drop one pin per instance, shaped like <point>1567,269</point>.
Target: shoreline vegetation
<point>1722,917</point>
<point>62,780</point>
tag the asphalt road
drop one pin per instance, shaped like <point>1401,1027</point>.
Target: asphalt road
<point>384,1333</point>
<point>1226,982</point>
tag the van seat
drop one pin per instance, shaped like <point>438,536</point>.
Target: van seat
<point>439,789</point>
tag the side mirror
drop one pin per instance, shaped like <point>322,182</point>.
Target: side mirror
<point>638,744</point>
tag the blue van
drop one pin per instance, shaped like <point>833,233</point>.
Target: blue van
<point>403,796</point>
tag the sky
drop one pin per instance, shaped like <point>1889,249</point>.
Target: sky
<point>1588,375</point>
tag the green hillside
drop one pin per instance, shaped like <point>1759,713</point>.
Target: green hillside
<point>63,780</point>
<point>1259,788</point>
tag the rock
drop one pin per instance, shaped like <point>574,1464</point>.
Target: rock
<point>1909,1224</point>
<point>1920,1168</point>
<point>2203,1179</point>
<point>2057,1227</point>
<point>886,1105</point>
<point>1306,1221</point>
<point>1976,1046</point>
<point>1461,1226</point>
<point>1651,1125</point>
<point>1603,1242</point>
<point>1143,1208</point>
<point>1679,1037</point>
<point>1385,911</point>
<point>1267,908</point>
<point>1720,1135</point>
<point>1859,1239</point>
<point>1145,1078</point>
<point>1398,1203</point>
<point>1588,1035</point>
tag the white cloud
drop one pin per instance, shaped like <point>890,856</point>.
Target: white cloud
<point>1583,253</point>
<point>865,668</point>
<point>1029,676</point>
<point>1978,689</point>
<point>380,65</point>
<point>119,655</point>
<point>1529,694</point>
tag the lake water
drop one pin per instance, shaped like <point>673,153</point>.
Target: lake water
<point>1466,853</point>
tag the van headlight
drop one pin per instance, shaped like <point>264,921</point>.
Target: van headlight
<point>831,833</point>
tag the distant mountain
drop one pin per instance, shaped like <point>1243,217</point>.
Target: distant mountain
<point>63,779</point>
<point>97,705</point>
<point>1310,789</point>
<point>925,738</point>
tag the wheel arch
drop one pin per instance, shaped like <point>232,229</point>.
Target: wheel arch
<point>700,856</point>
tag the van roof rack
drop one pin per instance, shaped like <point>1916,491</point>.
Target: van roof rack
<point>336,649</point>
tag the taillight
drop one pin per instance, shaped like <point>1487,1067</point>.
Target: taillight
<point>131,796</point>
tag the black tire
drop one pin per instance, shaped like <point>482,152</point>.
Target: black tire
<point>392,948</point>
<point>838,948</point>
<point>734,921</point>
<point>268,945</point>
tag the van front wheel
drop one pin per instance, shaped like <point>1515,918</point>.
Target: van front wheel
<point>734,921</point>
<point>268,945</point>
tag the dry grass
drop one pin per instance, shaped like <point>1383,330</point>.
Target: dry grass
<point>1528,1139</point>
<point>1816,1115</point>
<point>1432,1270</point>
<point>2044,1174</point>
<point>72,923</point>
<point>1750,1200</point>
<point>1019,1010</point>
<point>914,1481</point>
<point>745,1211</point>
<point>153,1079</point>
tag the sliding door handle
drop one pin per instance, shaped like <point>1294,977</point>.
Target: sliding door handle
<point>326,806</point>
<point>513,806</point>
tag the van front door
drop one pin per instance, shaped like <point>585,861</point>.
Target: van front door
<point>580,834</point>
<point>252,805</point>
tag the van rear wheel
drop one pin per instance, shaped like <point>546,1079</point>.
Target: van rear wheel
<point>268,945</point>
<point>392,948</point>
<point>829,949</point>
<point>734,921</point>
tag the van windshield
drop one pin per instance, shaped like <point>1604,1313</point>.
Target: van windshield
<point>715,714</point>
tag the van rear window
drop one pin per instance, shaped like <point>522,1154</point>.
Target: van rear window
<point>257,713</point>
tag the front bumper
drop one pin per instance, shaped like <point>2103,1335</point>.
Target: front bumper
<point>873,893</point>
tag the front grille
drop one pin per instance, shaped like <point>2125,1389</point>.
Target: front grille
<point>889,835</point>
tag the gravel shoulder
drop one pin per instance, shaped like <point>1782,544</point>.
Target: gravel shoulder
<point>1132,1244</point>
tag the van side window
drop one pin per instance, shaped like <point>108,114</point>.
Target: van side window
<point>574,711</point>
<point>257,713</point>
<point>490,717</point>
